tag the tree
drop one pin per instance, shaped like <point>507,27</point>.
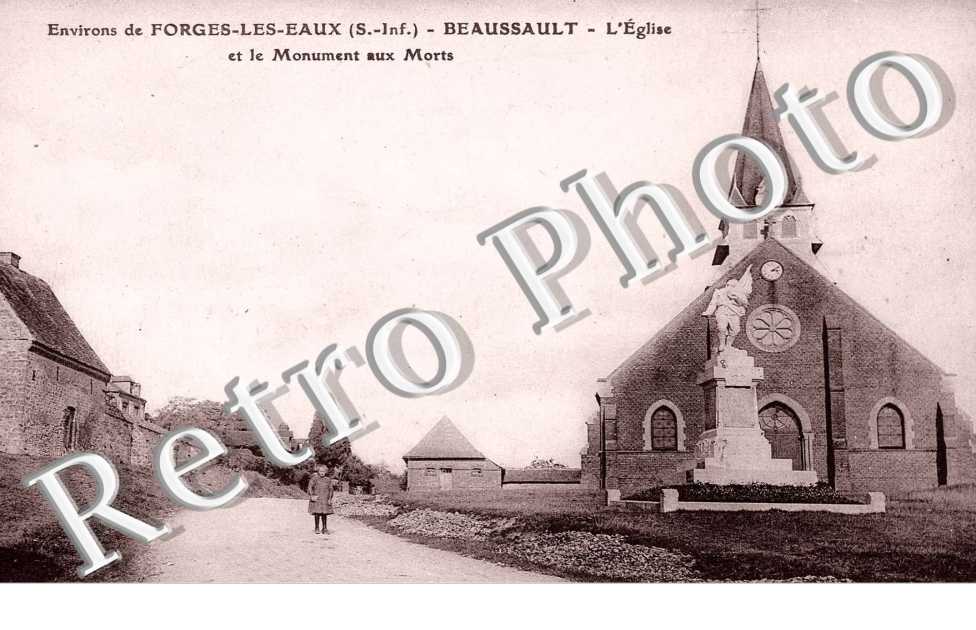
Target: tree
<point>245,452</point>
<point>354,470</point>
<point>182,411</point>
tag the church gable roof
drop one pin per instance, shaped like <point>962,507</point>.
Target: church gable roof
<point>691,312</point>
<point>444,441</point>
<point>649,351</point>
<point>36,306</point>
<point>850,301</point>
<point>761,123</point>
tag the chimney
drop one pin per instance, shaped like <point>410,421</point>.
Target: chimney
<point>10,258</point>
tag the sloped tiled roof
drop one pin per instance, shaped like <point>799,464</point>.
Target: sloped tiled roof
<point>39,309</point>
<point>444,441</point>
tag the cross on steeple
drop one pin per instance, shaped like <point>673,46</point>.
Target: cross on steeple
<point>757,11</point>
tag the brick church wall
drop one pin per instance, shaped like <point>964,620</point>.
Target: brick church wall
<point>893,471</point>
<point>962,465</point>
<point>590,466</point>
<point>633,471</point>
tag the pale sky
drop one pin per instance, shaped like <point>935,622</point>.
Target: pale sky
<point>203,219</point>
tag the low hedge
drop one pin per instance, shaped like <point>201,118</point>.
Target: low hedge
<point>750,493</point>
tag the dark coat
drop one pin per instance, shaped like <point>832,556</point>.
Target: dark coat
<point>321,487</point>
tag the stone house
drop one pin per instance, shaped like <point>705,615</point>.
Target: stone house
<point>56,394</point>
<point>126,394</point>
<point>842,395</point>
<point>445,460</point>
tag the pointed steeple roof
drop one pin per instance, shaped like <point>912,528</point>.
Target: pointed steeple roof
<point>444,441</point>
<point>761,124</point>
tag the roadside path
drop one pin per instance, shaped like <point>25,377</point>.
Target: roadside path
<point>272,540</point>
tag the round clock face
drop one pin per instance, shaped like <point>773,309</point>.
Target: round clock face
<point>771,270</point>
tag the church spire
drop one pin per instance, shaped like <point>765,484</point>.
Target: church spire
<point>761,124</point>
<point>792,223</point>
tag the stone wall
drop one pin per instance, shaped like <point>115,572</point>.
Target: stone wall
<point>543,488</point>
<point>13,393</point>
<point>110,435</point>
<point>35,393</point>
<point>51,389</point>
<point>14,342</point>
<point>143,441</point>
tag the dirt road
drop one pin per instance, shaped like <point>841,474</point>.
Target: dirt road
<point>271,540</point>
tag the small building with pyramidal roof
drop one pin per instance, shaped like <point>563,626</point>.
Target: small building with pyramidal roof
<point>445,460</point>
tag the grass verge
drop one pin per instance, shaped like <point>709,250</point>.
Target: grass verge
<point>931,537</point>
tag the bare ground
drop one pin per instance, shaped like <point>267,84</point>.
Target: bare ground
<point>272,540</point>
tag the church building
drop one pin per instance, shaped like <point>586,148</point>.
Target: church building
<point>842,394</point>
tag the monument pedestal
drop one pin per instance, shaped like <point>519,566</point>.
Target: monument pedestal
<point>733,449</point>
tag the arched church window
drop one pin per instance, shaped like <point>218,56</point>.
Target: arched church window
<point>664,430</point>
<point>788,228</point>
<point>891,427</point>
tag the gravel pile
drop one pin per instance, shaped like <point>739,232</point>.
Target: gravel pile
<point>597,555</point>
<point>449,524</point>
<point>605,556</point>
<point>362,505</point>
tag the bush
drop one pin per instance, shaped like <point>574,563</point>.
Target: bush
<point>244,459</point>
<point>751,493</point>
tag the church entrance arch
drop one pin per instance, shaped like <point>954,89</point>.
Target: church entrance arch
<point>787,435</point>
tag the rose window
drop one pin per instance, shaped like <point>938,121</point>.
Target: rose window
<point>773,328</point>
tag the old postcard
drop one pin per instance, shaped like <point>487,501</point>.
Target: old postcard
<point>487,293</point>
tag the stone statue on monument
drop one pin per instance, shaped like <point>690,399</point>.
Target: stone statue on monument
<point>733,448</point>
<point>728,306</point>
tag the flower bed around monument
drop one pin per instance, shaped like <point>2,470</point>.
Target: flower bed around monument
<point>820,493</point>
